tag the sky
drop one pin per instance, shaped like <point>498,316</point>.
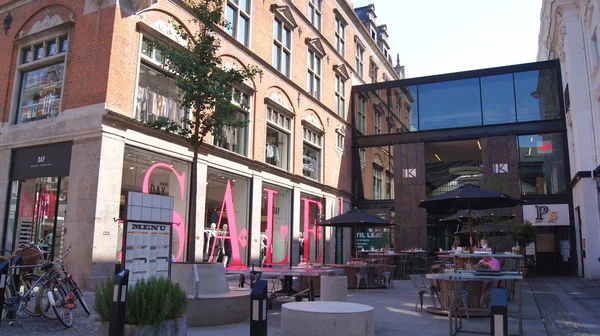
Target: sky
<point>443,36</point>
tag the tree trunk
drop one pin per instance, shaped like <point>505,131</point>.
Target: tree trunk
<point>191,233</point>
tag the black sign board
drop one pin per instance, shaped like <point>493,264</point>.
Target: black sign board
<point>41,161</point>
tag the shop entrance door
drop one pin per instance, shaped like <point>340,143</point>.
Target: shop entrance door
<point>39,214</point>
<point>545,255</point>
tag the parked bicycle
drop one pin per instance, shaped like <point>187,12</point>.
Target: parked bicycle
<point>48,284</point>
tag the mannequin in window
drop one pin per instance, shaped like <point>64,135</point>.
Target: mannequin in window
<point>263,247</point>
<point>226,245</point>
<point>209,240</point>
<point>301,239</point>
<point>272,150</point>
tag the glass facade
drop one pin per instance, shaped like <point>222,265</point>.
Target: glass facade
<point>152,173</point>
<point>275,225</point>
<point>542,164</point>
<point>311,235</point>
<point>227,218</point>
<point>485,100</point>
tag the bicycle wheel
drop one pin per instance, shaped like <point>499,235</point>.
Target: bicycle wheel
<point>60,301</point>
<point>79,295</point>
<point>31,308</point>
<point>43,304</point>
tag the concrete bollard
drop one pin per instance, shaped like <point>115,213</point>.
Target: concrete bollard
<point>334,288</point>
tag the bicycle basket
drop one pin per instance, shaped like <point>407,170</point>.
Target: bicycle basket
<point>29,256</point>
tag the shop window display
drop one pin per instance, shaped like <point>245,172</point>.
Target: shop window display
<point>311,235</point>
<point>226,221</point>
<point>275,227</point>
<point>148,172</point>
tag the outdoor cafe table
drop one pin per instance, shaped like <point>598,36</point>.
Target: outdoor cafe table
<point>460,280</point>
<point>288,274</point>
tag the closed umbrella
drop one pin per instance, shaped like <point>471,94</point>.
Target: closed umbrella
<point>470,197</point>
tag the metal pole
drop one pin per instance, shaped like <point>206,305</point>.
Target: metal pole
<point>117,316</point>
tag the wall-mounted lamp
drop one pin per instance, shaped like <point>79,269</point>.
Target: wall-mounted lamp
<point>298,99</point>
<point>260,75</point>
<point>299,31</point>
<point>327,120</point>
<point>327,59</point>
<point>7,22</point>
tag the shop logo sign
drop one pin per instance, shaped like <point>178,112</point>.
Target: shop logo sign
<point>41,159</point>
<point>542,210</point>
<point>316,231</point>
<point>283,230</point>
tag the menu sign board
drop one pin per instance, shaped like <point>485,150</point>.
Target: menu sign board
<point>147,250</point>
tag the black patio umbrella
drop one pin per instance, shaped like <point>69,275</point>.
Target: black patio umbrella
<point>470,197</point>
<point>493,228</point>
<point>356,218</point>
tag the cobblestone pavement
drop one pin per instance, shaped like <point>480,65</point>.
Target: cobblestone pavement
<point>568,305</point>
<point>39,326</point>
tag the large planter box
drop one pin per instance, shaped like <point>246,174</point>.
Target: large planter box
<point>177,327</point>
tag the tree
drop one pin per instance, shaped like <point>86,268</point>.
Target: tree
<point>205,88</point>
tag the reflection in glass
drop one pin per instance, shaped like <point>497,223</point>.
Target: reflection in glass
<point>449,104</point>
<point>276,148</point>
<point>157,96</point>
<point>41,93</point>
<point>542,164</point>
<point>275,224</point>
<point>498,99</point>
<point>537,95</point>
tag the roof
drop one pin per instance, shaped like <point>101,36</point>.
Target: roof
<point>362,12</point>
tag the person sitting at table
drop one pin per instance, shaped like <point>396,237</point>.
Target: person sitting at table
<point>489,262</point>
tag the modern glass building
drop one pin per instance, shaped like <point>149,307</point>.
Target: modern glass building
<point>501,128</point>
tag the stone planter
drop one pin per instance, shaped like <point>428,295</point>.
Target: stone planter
<point>176,327</point>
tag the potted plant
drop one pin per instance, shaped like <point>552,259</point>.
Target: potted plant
<point>524,235</point>
<point>154,307</point>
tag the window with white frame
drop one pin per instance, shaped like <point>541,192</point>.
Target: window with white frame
<point>362,155</point>
<point>359,54</point>
<point>340,33</point>
<point>314,13</point>
<point>340,96</point>
<point>231,138</point>
<point>311,153</point>
<point>373,72</point>
<point>314,74</point>
<point>278,139</point>
<point>282,46</point>
<point>157,95</point>
<point>377,175</point>
<point>340,139</point>
<point>42,69</point>
<point>237,15</point>
<point>377,115</point>
<point>389,185</point>
<point>361,124</point>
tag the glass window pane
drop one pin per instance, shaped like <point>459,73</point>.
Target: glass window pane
<point>542,163</point>
<point>51,48</point>
<point>276,52</point>
<point>64,43</point>
<point>449,104</point>
<point>286,39</point>
<point>275,235</point>
<point>245,5</point>
<point>285,63</point>
<point>230,17</point>
<point>39,52</point>
<point>276,148</point>
<point>498,99</point>
<point>277,30</point>
<point>243,30</point>
<point>311,162</point>
<point>537,95</point>
<point>41,93</point>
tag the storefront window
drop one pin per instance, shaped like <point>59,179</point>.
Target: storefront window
<point>311,235</point>
<point>41,92</point>
<point>542,164</point>
<point>275,225</point>
<point>152,173</point>
<point>227,217</point>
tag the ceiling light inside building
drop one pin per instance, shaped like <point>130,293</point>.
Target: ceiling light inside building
<point>479,144</point>
<point>132,167</point>
<point>529,151</point>
<point>437,157</point>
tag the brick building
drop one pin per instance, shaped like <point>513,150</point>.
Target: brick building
<point>78,81</point>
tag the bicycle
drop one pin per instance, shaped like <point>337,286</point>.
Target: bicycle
<point>19,281</point>
<point>49,280</point>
